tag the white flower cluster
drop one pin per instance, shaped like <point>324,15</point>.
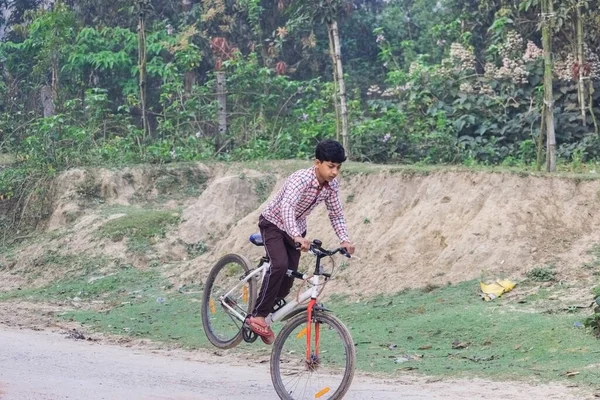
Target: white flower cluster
<point>463,59</point>
<point>486,89</point>
<point>594,61</point>
<point>513,70</point>
<point>391,92</point>
<point>513,60</point>
<point>415,67</point>
<point>373,90</point>
<point>532,52</point>
<point>477,88</point>
<point>563,67</point>
<point>512,46</point>
<point>466,87</point>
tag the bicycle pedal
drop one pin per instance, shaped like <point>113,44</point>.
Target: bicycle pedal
<point>248,335</point>
<point>279,305</point>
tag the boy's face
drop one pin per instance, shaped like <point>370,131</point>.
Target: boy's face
<point>327,170</point>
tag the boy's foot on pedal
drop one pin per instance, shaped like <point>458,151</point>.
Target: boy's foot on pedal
<point>259,326</point>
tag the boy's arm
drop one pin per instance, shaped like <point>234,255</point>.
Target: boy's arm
<point>336,216</point>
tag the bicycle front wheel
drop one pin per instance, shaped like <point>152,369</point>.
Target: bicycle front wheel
<point>223,296</point>
<point>326,372</point>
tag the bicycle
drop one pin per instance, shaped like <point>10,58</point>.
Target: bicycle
<point>313,355</point>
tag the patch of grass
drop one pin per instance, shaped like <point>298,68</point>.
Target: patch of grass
<point>167,184</point>
<point>263,187</point>
<point>453,332</point>
<point>77,270</point>
<point>595,263</point>
<point>141,227</point>
<point>542,274</point>
<point>70,265</point>
<point>195,249</point>
<point>136,303</point>
<point>89,189</point>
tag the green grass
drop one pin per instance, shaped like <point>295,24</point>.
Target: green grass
<point>141,227</point>
<point>446,331</point>
<point>137,304</point>
<point>503,341</point>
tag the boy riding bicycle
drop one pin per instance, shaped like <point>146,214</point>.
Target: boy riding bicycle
<point>283,227</point>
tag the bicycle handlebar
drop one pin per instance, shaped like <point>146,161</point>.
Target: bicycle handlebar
<point>319,252</point>
<point>316,250</point>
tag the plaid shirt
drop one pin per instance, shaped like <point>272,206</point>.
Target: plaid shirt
<point>299,195</point>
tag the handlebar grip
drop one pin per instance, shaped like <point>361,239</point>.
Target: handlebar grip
<point>295,274</point>
<point>345,252</point>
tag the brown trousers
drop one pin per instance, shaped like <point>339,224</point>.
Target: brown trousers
<point>281,250</point>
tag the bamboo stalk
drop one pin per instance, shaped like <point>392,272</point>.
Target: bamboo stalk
<point>342,86</point>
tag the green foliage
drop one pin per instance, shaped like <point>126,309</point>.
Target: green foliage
<point>443,92</point>
<point>140,227</point>
<point>593,321</point>
<point>541,274</point>
<point>195,249</point>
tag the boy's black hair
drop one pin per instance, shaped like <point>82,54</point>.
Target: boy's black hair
<point>330,150</point>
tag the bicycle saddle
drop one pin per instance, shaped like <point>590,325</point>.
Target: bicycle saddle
<point>256,239</point>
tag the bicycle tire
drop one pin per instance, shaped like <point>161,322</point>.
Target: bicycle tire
<point>209,303</point>
<point>285,336</point>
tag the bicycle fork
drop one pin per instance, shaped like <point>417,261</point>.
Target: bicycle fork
<point>310,358</point>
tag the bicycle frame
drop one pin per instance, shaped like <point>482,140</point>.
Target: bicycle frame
<point>310,293</point>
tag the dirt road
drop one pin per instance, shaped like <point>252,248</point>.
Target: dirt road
<point>48,366</point>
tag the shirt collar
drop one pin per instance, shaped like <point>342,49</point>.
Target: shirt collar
<point>315,182</point>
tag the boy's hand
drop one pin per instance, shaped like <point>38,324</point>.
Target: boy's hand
<point>303,242</point>
<point>349,247</point>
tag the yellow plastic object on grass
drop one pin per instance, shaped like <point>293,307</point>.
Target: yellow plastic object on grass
<point>496,289</point>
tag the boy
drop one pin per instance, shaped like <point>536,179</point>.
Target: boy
<point>283,227</point>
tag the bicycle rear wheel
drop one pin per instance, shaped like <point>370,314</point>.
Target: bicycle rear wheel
<point>327,372</point>
<point>222,327</point>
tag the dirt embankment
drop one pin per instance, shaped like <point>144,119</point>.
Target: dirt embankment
<point>411,228</point>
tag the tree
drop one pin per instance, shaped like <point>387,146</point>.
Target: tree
<point>328,12</point>
<point>143,6</point>
<point>547,16</point>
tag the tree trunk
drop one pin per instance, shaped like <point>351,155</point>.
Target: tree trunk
<point>335,85</point>
<point>142,60</point>
<point>580,62</point>
<point>222,111</point>
<point>47,101</point>
<point>189,77</point>
<point>547,9</point>
<point>55,79</point>
<point>540,144</point>
<point>333,27</point>
<point>591,105</point>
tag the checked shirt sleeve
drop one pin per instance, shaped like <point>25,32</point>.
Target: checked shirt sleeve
<point>291,196</point>
<point>336,215</point>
